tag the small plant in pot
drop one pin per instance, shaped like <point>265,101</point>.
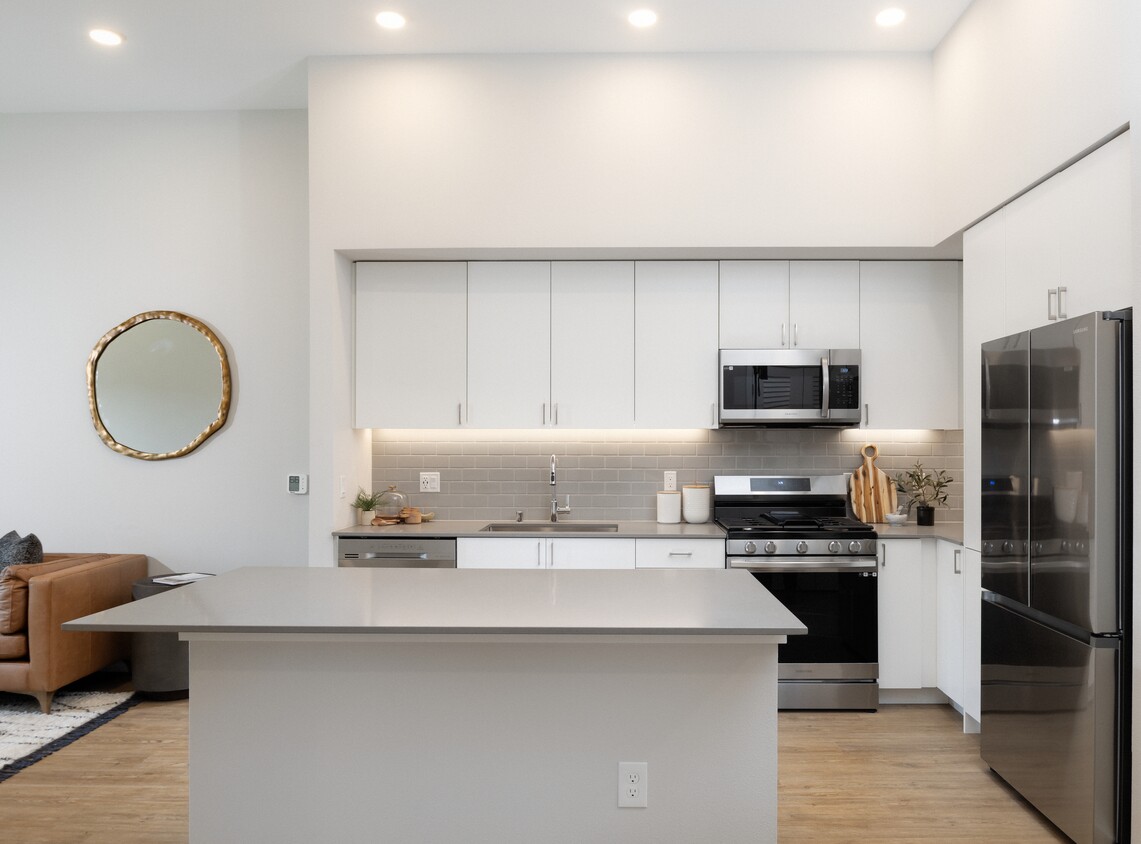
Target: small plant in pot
<point>924,490</point>
<point>366,502</point>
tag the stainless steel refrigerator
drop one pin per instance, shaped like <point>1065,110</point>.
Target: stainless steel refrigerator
<point>1056,569</point>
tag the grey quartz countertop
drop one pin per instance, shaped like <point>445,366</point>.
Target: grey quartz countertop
<point>951,531</point>
<point>458,601</point>
<point>455,528</point>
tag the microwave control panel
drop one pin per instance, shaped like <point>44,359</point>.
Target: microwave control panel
<point>843,387</point>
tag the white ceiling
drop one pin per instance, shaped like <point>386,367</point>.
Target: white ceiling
<point>238,54</point>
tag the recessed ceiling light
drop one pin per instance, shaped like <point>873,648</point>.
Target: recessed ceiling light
<point>390,20</point>
<point>643,18</point>
<point>891,17</point>
<point>105,37</point>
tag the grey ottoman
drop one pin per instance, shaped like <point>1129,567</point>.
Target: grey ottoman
<point>160,663</point>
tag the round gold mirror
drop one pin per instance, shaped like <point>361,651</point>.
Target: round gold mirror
<point>158,385</point>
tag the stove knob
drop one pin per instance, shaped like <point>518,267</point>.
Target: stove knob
<point>854,546</point>
<point>802,547</point>
<point>770,547</point>
<point>1008,548</point>
<point>750,547</point>
<point>834,546</point>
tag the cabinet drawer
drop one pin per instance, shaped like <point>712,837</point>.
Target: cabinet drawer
<point>680,552</point>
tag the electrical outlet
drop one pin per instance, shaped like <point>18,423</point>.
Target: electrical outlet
<point>670,481</point>
<point>633,785</point>
<point>429,482</point>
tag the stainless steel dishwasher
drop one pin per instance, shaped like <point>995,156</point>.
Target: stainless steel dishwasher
<point>395,552</point>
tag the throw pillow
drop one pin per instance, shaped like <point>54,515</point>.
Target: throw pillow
<point>19,550</point>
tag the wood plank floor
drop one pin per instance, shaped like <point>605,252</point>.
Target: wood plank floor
<point>905,773</point>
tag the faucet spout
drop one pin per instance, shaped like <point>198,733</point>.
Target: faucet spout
<point>556,510</point>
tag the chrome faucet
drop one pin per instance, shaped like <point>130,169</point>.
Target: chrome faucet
<point>556,510</point>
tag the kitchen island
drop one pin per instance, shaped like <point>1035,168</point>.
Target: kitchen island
<point>448,705</point>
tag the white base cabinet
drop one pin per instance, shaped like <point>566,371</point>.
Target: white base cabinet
<point>499,552</point>
<point>680,552</point>
<point>906,614</point>
<point>949,619</point>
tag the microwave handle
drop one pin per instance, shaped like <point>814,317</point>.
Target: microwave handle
<point>824,392</point>
<point>986,387</point>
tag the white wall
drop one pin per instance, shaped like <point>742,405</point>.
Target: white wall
<point>622,151</point>
<point>1021,87</point>
<point>105,216</point>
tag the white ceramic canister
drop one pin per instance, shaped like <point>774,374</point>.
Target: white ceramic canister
<point>669,507</point>
<point>695,503</point>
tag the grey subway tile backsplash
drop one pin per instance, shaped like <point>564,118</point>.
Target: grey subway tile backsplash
<point>614,475</point>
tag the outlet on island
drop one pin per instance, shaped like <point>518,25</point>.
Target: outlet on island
<point>429,482</point>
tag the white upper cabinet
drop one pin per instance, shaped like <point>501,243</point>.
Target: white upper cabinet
<point>592,344</point>
<point>509,344</point>
<point>404,306</point>
<point>824,304</point>
<point>911,329</point>
<point>675,336</point>
<point>754,304</point>
<point>1095,258</point>
<point>790,304</point>
<point>1068,248</point>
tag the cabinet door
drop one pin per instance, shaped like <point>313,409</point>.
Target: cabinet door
<point>403,306</point>
<point>972,634</point>
<point>497,552</point>
<point>608,553</point>
<point>911,330</point>
<point>901,616</point>
<point>681,552</point>
<point>592,344</point>
<point>949,619</point>
<point>754,305</point>
<point>509,344</point>
<point>824,304</point>
<point>1094,254</point>
<point>984,276</point>
<point>1032,255</point>
<point>675,351</point>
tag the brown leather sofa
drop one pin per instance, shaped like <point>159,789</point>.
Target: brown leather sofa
<point>37,658</point>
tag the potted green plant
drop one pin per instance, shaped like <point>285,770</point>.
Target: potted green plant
<point>366,502</point>
<point>924,490</point>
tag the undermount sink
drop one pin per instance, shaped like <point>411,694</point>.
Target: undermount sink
<point>548,527</point>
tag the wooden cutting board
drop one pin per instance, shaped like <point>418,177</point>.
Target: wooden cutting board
<point>873,492</point>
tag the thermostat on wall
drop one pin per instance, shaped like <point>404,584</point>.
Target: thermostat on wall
<point>299,484</point>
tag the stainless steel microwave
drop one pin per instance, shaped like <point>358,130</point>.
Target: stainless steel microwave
<point>808,387</point>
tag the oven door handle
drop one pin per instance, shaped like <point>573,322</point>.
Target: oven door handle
<point>812,564</point>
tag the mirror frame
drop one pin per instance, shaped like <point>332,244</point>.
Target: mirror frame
<point>122,328</point>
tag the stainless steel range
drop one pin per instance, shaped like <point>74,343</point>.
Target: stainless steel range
<point>799,538</point>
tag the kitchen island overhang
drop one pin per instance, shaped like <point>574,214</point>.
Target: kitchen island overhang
<point>432,705</point>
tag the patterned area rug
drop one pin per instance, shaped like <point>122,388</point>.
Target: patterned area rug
<point>28,735</point>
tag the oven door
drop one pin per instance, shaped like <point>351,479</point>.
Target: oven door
<point>790,386</point>
<point>836,665</point>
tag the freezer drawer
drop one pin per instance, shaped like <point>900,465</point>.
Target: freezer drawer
<point>1048,721</point>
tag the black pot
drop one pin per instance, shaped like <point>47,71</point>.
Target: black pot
<point>924,515</point>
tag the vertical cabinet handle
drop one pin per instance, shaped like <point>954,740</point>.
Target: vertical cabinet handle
<point>1062,303</point>
<point>867,416</point>
<point>713,414</point>
<point>782,340</point>
<point>796,334</point>
<point>958,561</point>
<point>1051,302</point>
<point>539,553</point>
<point>460,413</point>
<point>556,419</point>
<point>883,555</point>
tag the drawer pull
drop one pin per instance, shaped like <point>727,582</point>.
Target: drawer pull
<point>681,553</point>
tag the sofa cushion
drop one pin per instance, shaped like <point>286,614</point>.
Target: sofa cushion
<point>13,645</point>
<point>16,549</point>
<point>14,588</point>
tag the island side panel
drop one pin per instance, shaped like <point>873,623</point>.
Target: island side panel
<point>297,741</point>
